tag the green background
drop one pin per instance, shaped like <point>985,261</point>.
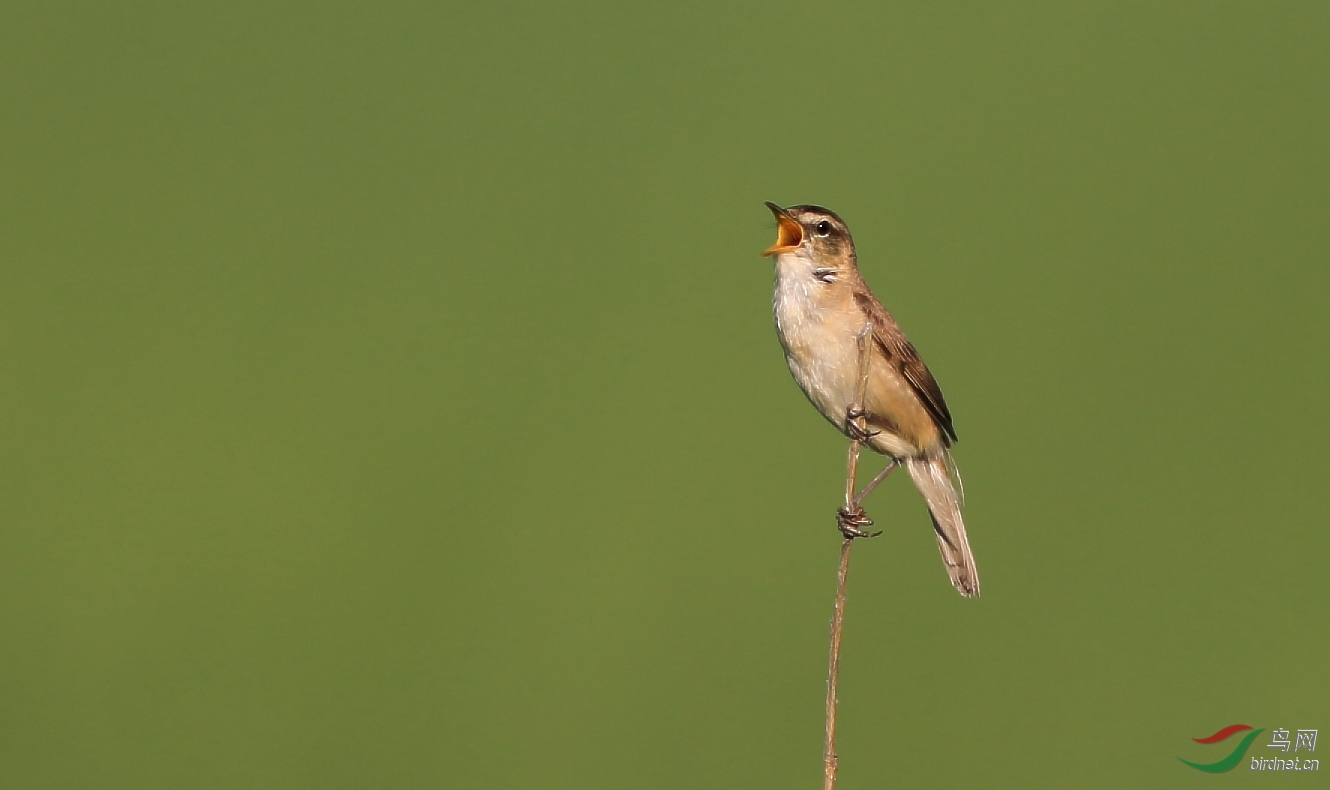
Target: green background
<point>390,396</point>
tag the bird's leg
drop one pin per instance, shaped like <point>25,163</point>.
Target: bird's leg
<point>856,425</point>
<point>851,517</point>
<point>868,489</point>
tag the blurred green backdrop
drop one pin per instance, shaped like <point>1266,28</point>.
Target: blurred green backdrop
<point>391,399</point>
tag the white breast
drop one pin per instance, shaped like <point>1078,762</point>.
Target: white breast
<point>819,335</point>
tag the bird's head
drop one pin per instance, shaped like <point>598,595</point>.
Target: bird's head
<point>811,232</point>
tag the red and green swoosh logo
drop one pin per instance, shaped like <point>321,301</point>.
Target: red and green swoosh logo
<point>1234,756</point>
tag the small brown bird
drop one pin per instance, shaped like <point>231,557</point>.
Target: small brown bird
<point>822,305</point>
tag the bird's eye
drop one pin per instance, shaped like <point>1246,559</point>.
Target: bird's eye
<point>823,228</point>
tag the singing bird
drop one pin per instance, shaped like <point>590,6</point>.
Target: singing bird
<point>822,305</point>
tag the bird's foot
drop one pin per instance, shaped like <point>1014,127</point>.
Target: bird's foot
<point>850,519</point>
<point>852,427</point>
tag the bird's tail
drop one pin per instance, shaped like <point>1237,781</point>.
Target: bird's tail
<point>930,477</point>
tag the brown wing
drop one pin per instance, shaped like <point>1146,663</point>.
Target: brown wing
<point>891,340</point>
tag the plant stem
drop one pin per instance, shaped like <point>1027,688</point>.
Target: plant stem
<point>829,759</point>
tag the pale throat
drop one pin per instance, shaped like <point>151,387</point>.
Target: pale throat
<point>807,292</point>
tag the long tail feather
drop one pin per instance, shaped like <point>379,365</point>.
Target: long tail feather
<point>930,477</point>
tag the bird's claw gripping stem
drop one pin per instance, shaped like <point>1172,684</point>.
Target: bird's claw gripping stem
<point>857,433</point>
<point>849,520</point>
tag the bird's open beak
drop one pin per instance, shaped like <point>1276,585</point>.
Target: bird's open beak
<point>789,233</point>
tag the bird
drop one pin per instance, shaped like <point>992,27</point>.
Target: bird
<point>822,306</point>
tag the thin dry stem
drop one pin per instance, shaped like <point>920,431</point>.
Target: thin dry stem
<point>837,617</point>
<point>838,611</point>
